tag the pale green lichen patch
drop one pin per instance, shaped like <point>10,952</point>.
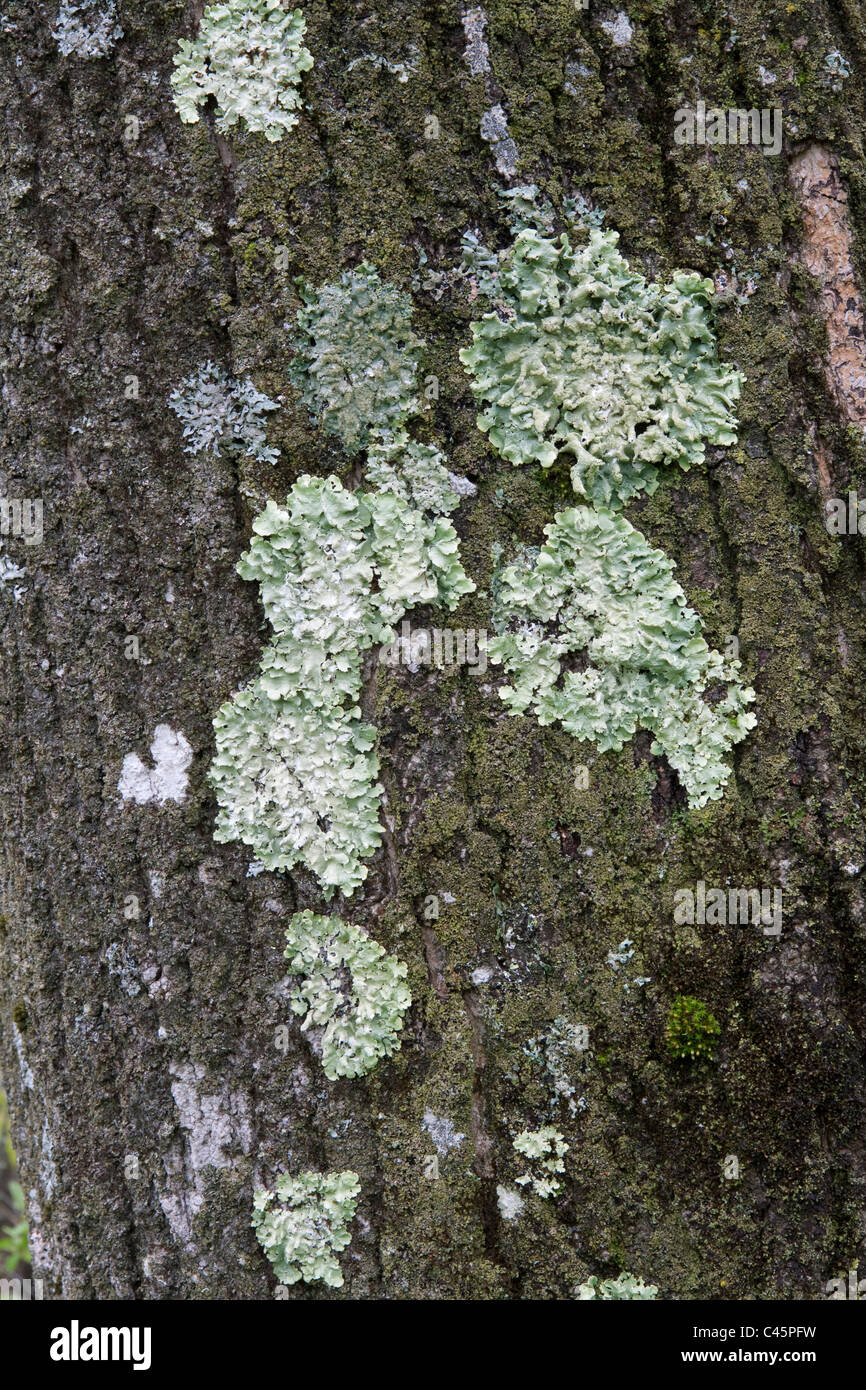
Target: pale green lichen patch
<point>304,1224</point>
<point>215,409</point>
<point>357,356</point>
<point>546,1149</point>
<point>597,597</point>
<point>583,356</point>
<point>249,55</point>
<point>624,1286</point>
<point>294,771</point>
<point>350,987</point>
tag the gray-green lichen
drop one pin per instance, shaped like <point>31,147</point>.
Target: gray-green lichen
<point>215,409</point>
<point>249,56</point>
<point>357,357</point>
<point>624,1286</point>
<point>350,987</point>
<point>582,356</point>
<point>598,594</point>
<point>304,1224</point>
<point>294,771</point>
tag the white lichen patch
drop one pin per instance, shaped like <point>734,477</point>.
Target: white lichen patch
<point>581,356</point>
<point>598,592</point>
<point>441,1130</point>
<point>304,1224</point>
<point>510,1203</point>
<point>546,1149</point>
<point>294,771</point>
<point>350,987</point>
<point>9,573</point>
<point>168,778</point>
<point>216,1124</point>
<point>215,410</point>
<point>87,28</point>
<point>250,57</point>
<point>618,29</point>
<point>402,70</point>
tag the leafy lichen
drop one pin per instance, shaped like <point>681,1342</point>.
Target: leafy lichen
<point>304,1224</point>
<point>582,356</point>
<point>249,55</point>
<point>87,28</point>
<point>350,987</point>
<point>357,356</point>
<point>624,1286</point>
<point>215,409</point>
<point>546,1149</point>
<point>294,770</point>
<point>597,594</point>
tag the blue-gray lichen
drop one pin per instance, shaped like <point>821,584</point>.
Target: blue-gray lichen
<point>598,592</point>
<point>304,1224</point>
<point>249,55</point>
<point>350,987</point>
<point>215,409</point>
<point>582,356</point>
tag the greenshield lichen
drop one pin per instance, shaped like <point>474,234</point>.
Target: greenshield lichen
<point>597,594</point>
<point>249,56</point>
<point>304,1224</point>
<point>582,356</point>
<point>357,356</point>
<point>294,770</point>
<point>624,1286</point>
<point>350,987</point>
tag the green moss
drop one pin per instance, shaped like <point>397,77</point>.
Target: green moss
<point>691,1030</point>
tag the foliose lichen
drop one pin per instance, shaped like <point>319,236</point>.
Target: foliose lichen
<point>215,409</point>
<point>304,1224</point>
<point>624,1286</point>
<point>357,356</point>
<point>546,1149</point>
<point>87,28</point>
<point>249,55</point>
<point>598,595</point>
<point>580,355</point>
<point>294,771</point>
<point>350,987</point>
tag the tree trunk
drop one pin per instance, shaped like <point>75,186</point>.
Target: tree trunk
<point>156,1075</point>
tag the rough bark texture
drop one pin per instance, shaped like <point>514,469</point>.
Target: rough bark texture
<point>148,1093</point>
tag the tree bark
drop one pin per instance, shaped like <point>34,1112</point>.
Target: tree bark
<point>142,982</point>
